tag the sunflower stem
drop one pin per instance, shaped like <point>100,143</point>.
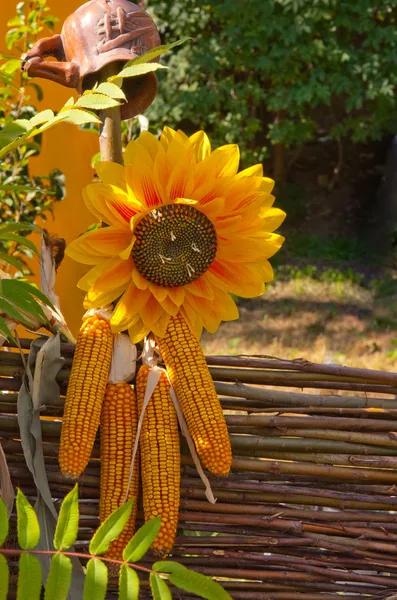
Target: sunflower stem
<point>110,146</point>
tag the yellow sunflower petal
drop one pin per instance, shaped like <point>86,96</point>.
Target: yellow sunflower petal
<point>193,319</point>
<point>177,295</point>
<point>117,274</point>
<point>241,279</point>
<point>103,298</point>
<point>267,184</point>
<point>254,171</point>
<point>138,280</point>
<point>91,247</point>
<point>136,153</point>
<point>106,241</point>
<point>109,204</point>
<point>158,291</point>
<point>128,307</point>
<point>246,250</point>
<point>149,142</point>
<point>272,218</point>
<point>201,287</point>
<point>142,185</point>
<point>201,145</point>
<point>169,306</point>
<point>111,172</point>
<point>111,272</point>
<point>160,326</point>
<point>181,162</point>
<point>212,209</point>
<point>167,136</point>
<point>138,331</point>
<point>92,275</point>
<point>223,162</point>
<point>151,311</point>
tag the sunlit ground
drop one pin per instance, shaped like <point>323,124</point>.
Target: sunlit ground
<point>328,322</point>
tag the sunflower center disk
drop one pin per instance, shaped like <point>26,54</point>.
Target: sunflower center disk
<point>175,244</point>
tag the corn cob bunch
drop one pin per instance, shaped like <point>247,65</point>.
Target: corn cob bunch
<point>192,381</point>
<point>119,422</point>
<point>85,394</point>
<point>160,459</point>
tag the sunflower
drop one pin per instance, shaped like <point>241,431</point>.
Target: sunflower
<point>184,231</point>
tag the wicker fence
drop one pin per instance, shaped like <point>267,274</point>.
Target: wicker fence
<point>310,509</point>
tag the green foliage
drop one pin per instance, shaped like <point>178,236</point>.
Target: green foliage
<point>159,588</point>
<point>30,577</point>
<point>190,581</point>
<point>3,522</point>
<point>4,578</point>
<point>261,73</point>
<point>110,529</point>
<point>59,578</point>
<point>96,579</point>
<point>142,540</point>
<point>68,521</point>
<point>28,525</point>
<point>23,197</point>
<point>128,584</point>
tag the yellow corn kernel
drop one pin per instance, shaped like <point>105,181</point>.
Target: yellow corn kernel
<point>119,422</point>
<point>161,460</point>
<point>192,381</point>
<point>87,384</point>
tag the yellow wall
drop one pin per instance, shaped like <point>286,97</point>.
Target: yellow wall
<point>67,148</point>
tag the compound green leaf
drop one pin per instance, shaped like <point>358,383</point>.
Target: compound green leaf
<point>136,70</point>
<point>29,577</point>
<point>128,584</point>
<point>96,580</point>
<point>151,54</point>
<point>96,101</point>
<point>68,521</point>
<point>160,590</point>
<point>112,90</point>
<point>59,578</point>
<point>110,529</point>
<point>193,582</point>
<point>4,578</point>
<point>42,117</point>
<point>3,518</point>
<point>142,540</point>
<point>28,525</point>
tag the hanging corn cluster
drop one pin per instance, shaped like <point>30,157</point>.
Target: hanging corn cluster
<point>118,432</point>
<point>192,381</point>
<point>85,394</point>
<point>160,459</point>
<point>119,421</point>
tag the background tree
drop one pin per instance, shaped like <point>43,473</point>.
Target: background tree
<point>277,74</point>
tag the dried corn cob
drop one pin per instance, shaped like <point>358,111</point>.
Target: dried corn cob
<point>189,375</point>
<point>160,456</point>
<point>119,422</point>
<point>87,384</point>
